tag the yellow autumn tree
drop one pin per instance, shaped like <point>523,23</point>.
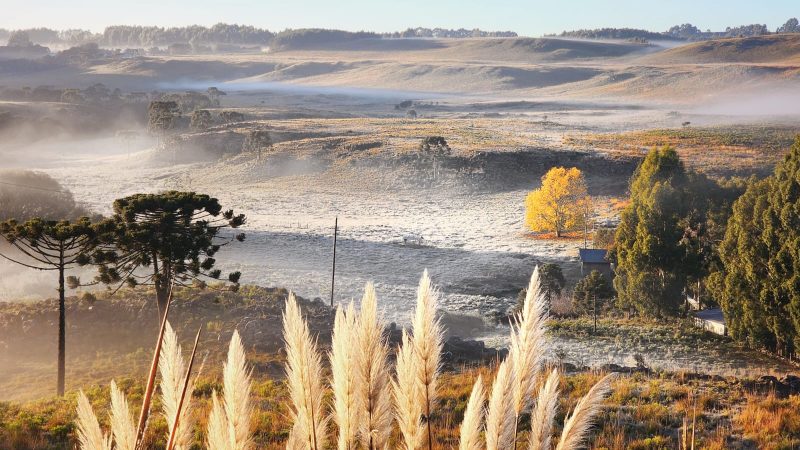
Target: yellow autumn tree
<point>560,204</point>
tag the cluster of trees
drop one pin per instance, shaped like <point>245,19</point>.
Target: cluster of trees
<point>757,281</point>
<point>49,36</point>
<point>665,238</point>
<point>683,32</point>
<point>735,243</point>
<point>421,32</point>
<point>139,36</point>
<point>614,33</point>
<point>160,240</point>
<point>315,37</point>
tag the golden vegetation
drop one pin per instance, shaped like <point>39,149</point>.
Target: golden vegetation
<point>561,203</point>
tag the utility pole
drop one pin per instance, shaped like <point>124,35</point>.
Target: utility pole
<point>333,269</point>
<point>594,307</point>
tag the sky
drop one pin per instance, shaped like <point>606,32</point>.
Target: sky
<point>526,17</point>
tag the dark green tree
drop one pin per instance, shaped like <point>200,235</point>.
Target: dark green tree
<point>552,279</point>
<point>655,236</point>
<point>758,284</point>
<point>166,239</point>
<point>591,288</point>
<point>53,246</point>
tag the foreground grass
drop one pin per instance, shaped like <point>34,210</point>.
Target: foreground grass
<point>645,411</point>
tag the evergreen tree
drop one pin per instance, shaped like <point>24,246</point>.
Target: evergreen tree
<point>52,246</point>
<point>173,235</point>
<point>666,243</point>
<point>592,290</point>
<point>758,285</point>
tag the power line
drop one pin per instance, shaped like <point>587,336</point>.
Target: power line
<point>35,187</point>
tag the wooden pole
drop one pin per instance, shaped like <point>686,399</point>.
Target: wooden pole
<point>594,307</point>
<point>333,269</point>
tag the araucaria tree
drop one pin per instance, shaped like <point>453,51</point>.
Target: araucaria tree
<point>57,246</point>
<point>759,284</point>
<point>560,204</point>
<point>166,239</point>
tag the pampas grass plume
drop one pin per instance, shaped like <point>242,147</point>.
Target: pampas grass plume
<point>90,436</point>
<point>373,387</point>
<point>578,424</point>
<point>470,431</point>
<point>304,377</point>
<point>123,428</point>
<point>500,421</point>
<point>343,370</point>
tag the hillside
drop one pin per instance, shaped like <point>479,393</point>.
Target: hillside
<point>775,49</point>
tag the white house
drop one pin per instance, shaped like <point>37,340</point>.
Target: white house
<point>711,320</point>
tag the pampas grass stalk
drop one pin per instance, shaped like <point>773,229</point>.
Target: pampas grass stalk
<point>177,439</point>
<point>427,344</point>
<point>229,420</point>
<point>577,425</point>
<point>217,432</point>
<point>470,431</point>
<point>172,368</point>
<point>90,436</point>
<point>304,377</point>
<point>528,346</point>
<point>373,388</point>
<point>544,414</point>
<point>236,380</point>
<point>151,379</point>
<point>500,414</point>
<point>406,389</point>
<point>122,425</point>
<point>343,369</point>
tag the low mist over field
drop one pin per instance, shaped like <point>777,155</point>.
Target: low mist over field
<point>646,174</point>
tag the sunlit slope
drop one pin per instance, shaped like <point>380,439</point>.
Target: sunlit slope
<point>776,49</point>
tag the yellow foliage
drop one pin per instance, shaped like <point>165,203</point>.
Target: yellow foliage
<point>560,204</point>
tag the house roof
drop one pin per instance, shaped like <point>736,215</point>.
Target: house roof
<point>711,315</point>
<point>593,255</point>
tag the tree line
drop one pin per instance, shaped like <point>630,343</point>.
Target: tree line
<point>221,33</point>
<point>159,240</point>
<point>683,32</point>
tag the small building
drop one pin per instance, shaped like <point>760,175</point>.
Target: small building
<point>711,320</point>
<point>595,259</point>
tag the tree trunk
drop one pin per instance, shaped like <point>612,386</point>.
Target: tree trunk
<point>162,297</point>
<point>61,331</point>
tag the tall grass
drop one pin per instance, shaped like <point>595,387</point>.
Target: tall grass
<point>427,344</point>
<point>172,369</point>
<point>544,414</point>
<point>346,412</point>
<point>471,426</point>
<point>407,395</point>
<point>579,423</point>
<point>527,347</point>
<point>373,391</point>
<point>90,436</point>
<point>500,414</point>
<point>304,378</point>
<point>229,420</point>
<point>122,425</point>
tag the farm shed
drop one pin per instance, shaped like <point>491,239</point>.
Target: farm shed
<point>711,320</point>
<point>595,259</point>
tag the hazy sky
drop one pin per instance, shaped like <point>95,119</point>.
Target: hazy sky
<point>527,17</point>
